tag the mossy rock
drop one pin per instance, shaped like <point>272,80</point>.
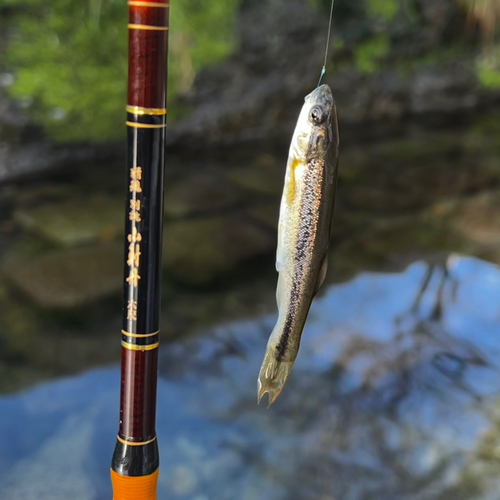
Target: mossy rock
<point>411,174</point>
<point>265,176</point>
<point>393,240</point>
<point>266,214</point>
<point>196,251</point>
<point>69,278</point>
<point>75,221</point>
<point>476,218</point>
<point>197,194</point>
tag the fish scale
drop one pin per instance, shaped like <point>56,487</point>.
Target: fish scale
<point>309,206</point>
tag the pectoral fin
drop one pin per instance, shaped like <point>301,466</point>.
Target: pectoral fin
<point>279,291</point>
<point>322,274</point>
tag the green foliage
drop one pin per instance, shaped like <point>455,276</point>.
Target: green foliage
<point>368,54</point>
<point>489,77</point>
<point>211,22</point>
<point>488,68</point>
<point>321,4</point>
<point>385,9</point>
<point>201,34</point>
<point>338,43</point>
<point>71,62</point>
<point>435,57</point>
<point>69,58</point>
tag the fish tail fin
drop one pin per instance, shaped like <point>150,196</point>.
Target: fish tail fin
<point>272,376</point>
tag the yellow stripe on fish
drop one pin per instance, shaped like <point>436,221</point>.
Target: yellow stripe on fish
<point>290,187</point>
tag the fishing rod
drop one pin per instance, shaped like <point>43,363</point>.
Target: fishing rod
<point>135,462</point>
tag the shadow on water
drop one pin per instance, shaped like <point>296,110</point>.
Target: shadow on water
<point>394,395</point>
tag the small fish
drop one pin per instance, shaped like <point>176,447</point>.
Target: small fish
<point>304,233</point>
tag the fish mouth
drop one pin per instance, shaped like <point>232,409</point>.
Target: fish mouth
<point>321,96</point>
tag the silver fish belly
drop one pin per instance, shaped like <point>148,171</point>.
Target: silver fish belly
<point>304,233</point>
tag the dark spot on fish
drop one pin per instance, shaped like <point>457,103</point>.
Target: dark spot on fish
<point>289,320</point>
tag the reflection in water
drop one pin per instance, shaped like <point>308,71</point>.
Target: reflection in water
<point>393,396</point>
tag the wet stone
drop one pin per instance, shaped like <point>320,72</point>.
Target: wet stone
<point>477,218</point>
<point>75,221</point>
<point>393,243</point>
<point>266,214</point>
<point>265,176</point>
<point>196,251</point>
<point>197,194</point>
<point>448,88</point>
<point>391,176</point>
<point>416,147</point>
<point>183,481</point>
<point>69,278</point>
<point>383,198</point>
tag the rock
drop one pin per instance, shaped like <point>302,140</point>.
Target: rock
<point>13,121</point>
<point>199,193</point>
<point>409,69</point>
<point>394,175</point>
<point>393,243</point>
<point>183,481</point>
<point>391,97</point>
<point>438,16</point>
<point>70,277</point>
<point>483,135</point>
<point>257,92</point>
<point>414,147</point>
<point>266,213</point>
<point>196,251</point>
<point>450,88</point>
<point>382,197</point>
<point>476,218</point>
<point>265,176</point>
<point>75,221</point>
<point>32,158</point>
<point>15,377</point>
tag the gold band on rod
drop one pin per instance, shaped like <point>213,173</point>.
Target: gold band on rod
<point>148,4</point>
<point>140,335</point>
<point>135,443</point>
<point>138,110</point>
<point>147,27</point>
<point>144,125</point>
<point>134,347</point>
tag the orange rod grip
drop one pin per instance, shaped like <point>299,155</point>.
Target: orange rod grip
<point>134,487</point>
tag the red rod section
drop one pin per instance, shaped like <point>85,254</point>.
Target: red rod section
<point>134,468</point>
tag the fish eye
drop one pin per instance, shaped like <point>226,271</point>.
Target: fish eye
<point>317,115</point>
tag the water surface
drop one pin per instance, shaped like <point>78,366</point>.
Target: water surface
<point>395,395</point>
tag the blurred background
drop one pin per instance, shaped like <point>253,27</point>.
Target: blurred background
<point>396,390</point>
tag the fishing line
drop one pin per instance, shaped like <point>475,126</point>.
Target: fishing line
<point>323,69</point>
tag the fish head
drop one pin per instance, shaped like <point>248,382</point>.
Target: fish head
<point>317,128</point>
